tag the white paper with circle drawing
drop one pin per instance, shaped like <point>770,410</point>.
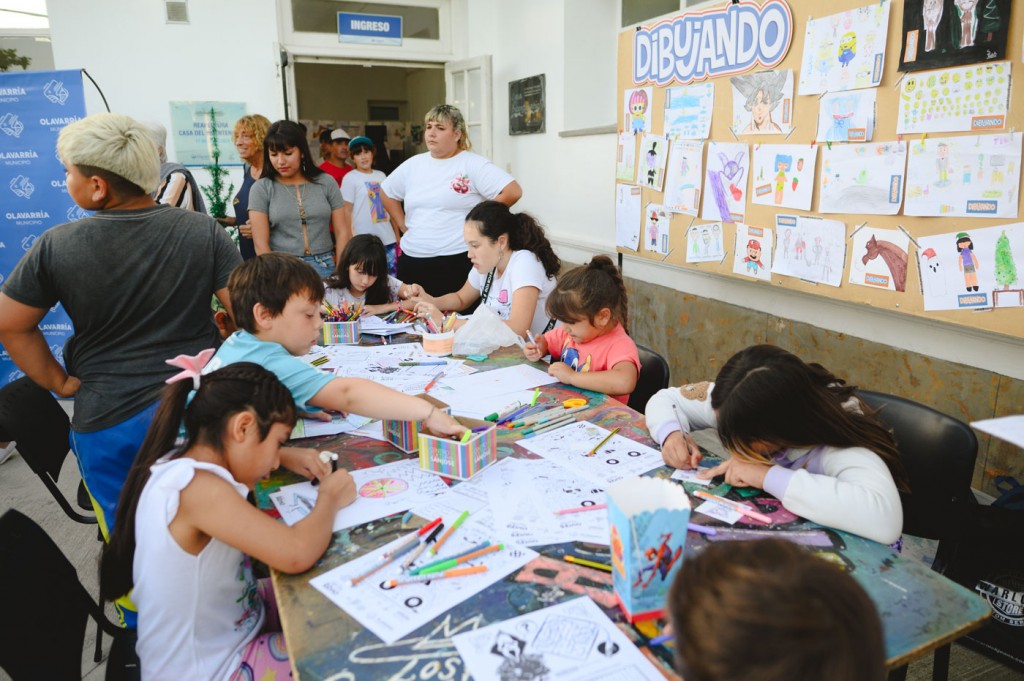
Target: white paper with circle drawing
<point>616,459</point>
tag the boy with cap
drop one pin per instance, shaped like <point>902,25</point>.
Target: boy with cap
<point>364,211</point>
<point>136,280</point>
<point>335,165</point>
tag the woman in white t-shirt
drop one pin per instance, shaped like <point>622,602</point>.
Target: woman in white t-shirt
<point>514,270</point>
<point>438,188</point>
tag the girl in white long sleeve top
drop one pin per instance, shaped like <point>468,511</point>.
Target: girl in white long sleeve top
<point>797,432</point>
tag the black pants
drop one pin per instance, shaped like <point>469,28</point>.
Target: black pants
<point>438,275</point>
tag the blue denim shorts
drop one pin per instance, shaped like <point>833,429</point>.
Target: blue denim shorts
<point>321,262</point>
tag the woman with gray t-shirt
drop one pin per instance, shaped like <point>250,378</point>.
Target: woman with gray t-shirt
<point>294,205</point>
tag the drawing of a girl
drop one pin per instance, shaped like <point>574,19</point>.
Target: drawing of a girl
<point>967,262</point>
<point>762,93</point>
<point>782,164</point>
<point>637,111</point>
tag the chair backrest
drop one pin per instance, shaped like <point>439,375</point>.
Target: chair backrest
<point>654,376</point>
<point>938,452</point>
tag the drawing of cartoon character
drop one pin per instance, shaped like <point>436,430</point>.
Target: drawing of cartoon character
<point>753,259</point>
<point>847,48</point>
<point>706,238</point>
<point>377,212</point>
<point>966,10</point>
<point>842,113</point>
<point>942,164</point>
<point>637,111</point>
<point>782,164</point>
<point>571,357</point>
<point>785,243</point>
<point>762,93</point>
<point>661,560</point>
<point>652,229</point>
<point>517,665</point>
<point>932,14</point>
<point>967,262</point>
<point>652,164</point>
<point>935,280</point>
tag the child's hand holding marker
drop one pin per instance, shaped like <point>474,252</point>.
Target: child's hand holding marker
<point>431,315</point>
<point>535,348</point>
<point>739,473</point>
<point>680,451</point>
<point>443,424</point>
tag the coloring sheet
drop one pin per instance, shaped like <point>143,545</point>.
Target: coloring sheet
<point>725,196</point>
<point>572,641</point>
<point>683,175</point>
<point>879,258</point>
<point>783,175</point>
<point>688,111</point>
<point>477,406</point>
<point>637,110</point>
<point>975,176</point>
<point>847,116</point>
<point>690,475</point>
<point>845,51</point>
<point>812,249</point>
<point>762,103</point>
<point>339,423</point>
<point>940,33</point>
<point>499,381</point>
<point>657,228</point>
<point>625,158</point>
<point>865,178</point>
<point>330,357</point>
<point>394,612</point>
<point>627,216</point>
<point>616,459</point>
<point>653,156</point>
<point>380,491</point>
<point>705,243</point>
<point>969,98</point>
<point>753,254</point>
<point>973,268</point>
<point>376,326</point>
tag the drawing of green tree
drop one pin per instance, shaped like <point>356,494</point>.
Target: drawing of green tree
<point>990,20</point>
<point>1006,268</point>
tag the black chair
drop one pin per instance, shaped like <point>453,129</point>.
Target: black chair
<point>653,377</point>
<point>48,609</point>
<point>33,417</point>
<point>938,452</point>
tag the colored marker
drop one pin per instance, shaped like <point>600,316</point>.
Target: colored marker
<point>481,545</point>
<point>739,508</point>
<point>386,560</point>
<point>422,547</point>
<point>702,529</point>
<point>601,443</point>
<point>661,639</point>
<point>536,394</point>
<point>458,572</point>
<point>529,337</point>
<point>422,363</point>
<point>445,565</point>
<point>505,411</point>
<point>433,381</point>
<point>444,537</point>
<point>553,425</point>
<point>581,509</point>
<point>465,436</point>
<point>587,563</point>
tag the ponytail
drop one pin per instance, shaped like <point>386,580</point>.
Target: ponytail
<point>583,291</point>
<point>524,232</point>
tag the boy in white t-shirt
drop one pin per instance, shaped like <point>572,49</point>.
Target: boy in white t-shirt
<point>364,211</point>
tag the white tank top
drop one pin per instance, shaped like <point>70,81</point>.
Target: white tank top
<point>196,613</point>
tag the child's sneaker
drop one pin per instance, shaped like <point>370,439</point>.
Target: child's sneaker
<point>7,452</point>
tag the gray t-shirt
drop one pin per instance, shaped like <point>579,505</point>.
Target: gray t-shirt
<point>319,198</point>
<point>137,286</point>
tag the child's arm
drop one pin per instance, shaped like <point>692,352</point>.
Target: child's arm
<point>25,343</point>
<point>618,380</point>
<point>366,398</point>
<point>672,414</point>
<point>537,349</point>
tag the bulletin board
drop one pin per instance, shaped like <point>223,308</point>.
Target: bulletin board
<point>804,242</point>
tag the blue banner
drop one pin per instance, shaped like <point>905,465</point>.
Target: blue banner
<point>369,29</point>
<point>34,106</point>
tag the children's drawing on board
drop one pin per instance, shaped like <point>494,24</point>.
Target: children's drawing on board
<point>963,99</point>
<point>869,176</point>
<point>704,243</point>
<point>845,51</point>
<point>683,176</point>
<point>627,216</point>
<point>658,225</point>
<point>819,249</point>
<point>847,116</point>
<point>725,197</point>
<point>753,253</point>
<point>762,103</point>
<point>972,268</point>
<point>688,111</point>
<point>783,175</point>
<point>940,33</point>
<point>880,258</point>
<point>625,158</point>
<point>637,110</point>
<point>653,157</point>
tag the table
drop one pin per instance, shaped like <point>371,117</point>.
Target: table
<point>920,609</point>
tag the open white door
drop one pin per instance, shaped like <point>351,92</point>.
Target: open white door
<point>468,87</point>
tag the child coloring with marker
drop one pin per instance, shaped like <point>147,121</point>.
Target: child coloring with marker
<point>590,349</point>
<point>185,531</point>
<point>794,430</point>
<point>361,278</point>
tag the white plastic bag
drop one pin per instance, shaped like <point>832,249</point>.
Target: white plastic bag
<point>484,333</point>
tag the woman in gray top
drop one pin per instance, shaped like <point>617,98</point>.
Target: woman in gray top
<point>295,205</point>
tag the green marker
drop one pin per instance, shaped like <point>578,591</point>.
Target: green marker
<point>465,436</point>
<point>536,394</point>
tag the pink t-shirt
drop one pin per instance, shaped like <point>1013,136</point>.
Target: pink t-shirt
<point>600,354</point>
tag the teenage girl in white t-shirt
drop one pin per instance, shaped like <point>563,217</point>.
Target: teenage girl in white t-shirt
<point>514,268</point>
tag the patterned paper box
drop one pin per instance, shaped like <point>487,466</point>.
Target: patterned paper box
<point>405,434</point>
<point>453,459</point>
<point>338,333</point>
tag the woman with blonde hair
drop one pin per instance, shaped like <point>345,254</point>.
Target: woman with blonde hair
<point>248,137</point>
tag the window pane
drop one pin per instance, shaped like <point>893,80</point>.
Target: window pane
<point>638,11</point>
<point>321,16</point>
<point>474,95</point>
<point>458,93</point>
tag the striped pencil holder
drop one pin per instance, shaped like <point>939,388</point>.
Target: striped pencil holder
<point>454,459</point>
<point>405,434</point>
<point>340,333</point>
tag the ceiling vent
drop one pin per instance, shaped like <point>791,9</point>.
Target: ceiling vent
<point>177,12</point>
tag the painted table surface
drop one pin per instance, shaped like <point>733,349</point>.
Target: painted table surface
<point>920,609</point>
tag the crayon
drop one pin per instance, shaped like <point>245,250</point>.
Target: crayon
<point>600,444</point>
<point>587,563</point>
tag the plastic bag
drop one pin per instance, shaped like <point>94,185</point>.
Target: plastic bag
<point>484,333</point>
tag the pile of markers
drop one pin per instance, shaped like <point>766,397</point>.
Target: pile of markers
<point>400,316</point>
<point>534,418</point>
<point>446,325</point>
<point>344,313</point>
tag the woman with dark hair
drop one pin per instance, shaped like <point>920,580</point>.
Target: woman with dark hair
<point>514,269</point>
<point>295,204</point>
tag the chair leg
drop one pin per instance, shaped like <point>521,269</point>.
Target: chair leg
<point>898,674</point>
<point>940,668</point>
<point>98,653</point>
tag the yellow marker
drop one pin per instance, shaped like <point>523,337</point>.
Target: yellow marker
<point>465,436</point>
<point>587,563</point>
<point>601,443</point>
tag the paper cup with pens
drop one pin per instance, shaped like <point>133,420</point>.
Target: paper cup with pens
<point>647,518</point>
<point>436,344</point>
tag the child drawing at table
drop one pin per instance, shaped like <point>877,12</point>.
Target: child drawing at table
<point>590,349</point>
<point>361,278</point>
<point>794,430</point>
<point>772,610</point>
<point>185,531</point>
<point>278,300</point>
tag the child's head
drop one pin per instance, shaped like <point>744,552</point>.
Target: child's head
<point>286,153</point>
<point>108,155</point>
<point>766,398</point>
<point>271,287</point>
<point>363,269</point>
<point>963,240</point>
<point>590,300</point>
<point>772,610</point>
<point>361,150</point>
<point>496,232</point>
<point>242,412</point>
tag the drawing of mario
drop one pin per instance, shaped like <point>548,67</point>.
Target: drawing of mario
<point>753,259</point>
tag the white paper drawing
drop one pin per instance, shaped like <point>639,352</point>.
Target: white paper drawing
<point>705,243</point>
<point>725,193</point>
<point>625,158</point>
<point>973,268</point>
<point>637,113</point>
<point>688,111</point>
<point>752,256</point>
<point>862,178</point>
<point>847,116</point>
<point>762,103</point>
<point>783,175</point>
<point>967,98</point>
<point>684,174</point>
<point>616,459</point>
<point>657,227</point>
<point>653,156</point>
<point>627,216</point>
<point>878,258</point>
<point>812,249</point>
<point>974,176</point>
<point>845,51</point>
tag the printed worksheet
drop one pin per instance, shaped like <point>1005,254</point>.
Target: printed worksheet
<point>845,51</point>
<point>627,216</point>
<point>814,249</point>
<point>572,641</point>
<point>879,258</point>
<point>869,177</point>
<point>392,612</point>
<point>783,175</point>
<point>762,103</point>
<point>683,177</point>
<point>650,171</point>
<point>688,111</point>
<point>376,326</point>
<point>847,116</point>
<point>968,98</point>
<point>380,492</point>
<point>972,177</point>
<point>499,381</point>
<point>725,195</point>
<point>658,228</point>
<point>339,423</point>
<point>752,256</point>
<point>705,243</point>
<point>625,158</point>
<point>381,364</point>
<point>614,460</point>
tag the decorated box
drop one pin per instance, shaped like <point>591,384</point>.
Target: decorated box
<point>405,434</point>
<point>454,459</point>
<point>647,518</point>
<point>338,333</point>
<point>439,344</point>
